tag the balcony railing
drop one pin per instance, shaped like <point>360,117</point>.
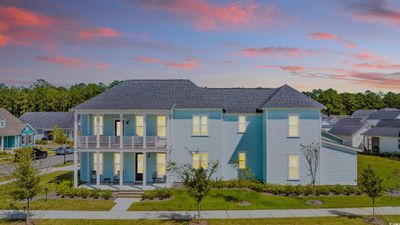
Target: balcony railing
<point>128,142</point>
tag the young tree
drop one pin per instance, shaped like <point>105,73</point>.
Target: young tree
<point>312,155</point>
<point>26,178</point>
<point>372,185</point>
<point>197,181</point>
<point>59,136</point>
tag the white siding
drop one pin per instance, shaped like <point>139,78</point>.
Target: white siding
<point>388,144</point>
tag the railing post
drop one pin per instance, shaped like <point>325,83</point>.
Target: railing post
<point>87,141</point>
<point>156,142</point>
<point>109,141</point>
<point>133,142</point>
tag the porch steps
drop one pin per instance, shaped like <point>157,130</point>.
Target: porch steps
<point>130,194</point>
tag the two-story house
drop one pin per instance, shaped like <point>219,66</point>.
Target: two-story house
<point>127,134</point>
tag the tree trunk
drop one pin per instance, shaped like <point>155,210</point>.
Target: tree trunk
<point>373,208</point>
<point>198,212</point>
<point>27,214</point>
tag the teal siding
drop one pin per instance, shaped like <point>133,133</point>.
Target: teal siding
<point>129,167</point>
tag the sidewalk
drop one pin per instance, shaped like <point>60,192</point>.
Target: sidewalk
<point>216,214</point>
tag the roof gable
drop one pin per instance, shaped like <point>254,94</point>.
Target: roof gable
<point>13,125</point>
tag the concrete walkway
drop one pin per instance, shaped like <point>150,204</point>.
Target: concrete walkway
<point>123,204</point>
<point>215,214</point>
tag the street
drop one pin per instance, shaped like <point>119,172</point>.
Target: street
<point>7,169</point>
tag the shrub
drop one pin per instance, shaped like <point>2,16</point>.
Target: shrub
<point>83,192</point>
<point>157,194</point>
<point>338,189</point>
<point>72,192</point>
<point>288,190</point>
<point>322,190</point>
<point>94,193</point>
<point>107,194</point>
<point>63,188</point>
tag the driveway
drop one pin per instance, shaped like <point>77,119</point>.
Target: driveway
<point>7,169</point>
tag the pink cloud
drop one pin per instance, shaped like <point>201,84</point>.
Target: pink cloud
<point>71,62</point>
<point>378,66</point>
<point>229,62</point>
<point>274,51</point>
<point>376,11</point>
<point>188,64</point>
<point>100,32</point>
<point>205,15</point>
<point>146,59</point>
<point>3,40</point>
<point>366,56</point>
<point>333,37</point>
<point>23,17</point>
<point>293,69</point>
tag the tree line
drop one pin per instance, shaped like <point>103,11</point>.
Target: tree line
<point>42,96</point>
<point>346,103</point>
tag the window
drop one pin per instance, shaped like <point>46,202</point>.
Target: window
<point>23,139</point>
<point>242,160</point>
<point>98,164</point>
<point>242,124</point>
<point>161,164</point>
<point>200,125</point>
<point>117,167</point>
<point>293,167</point>
<point>161,126</point>
<point>140,163</point>
<point>2,123</point>
<point>200,159</point>
<point>139,126</point>
<point>100,125</point>
<point>30,139</point>
<point>293,126</point>
<point>118,128</point>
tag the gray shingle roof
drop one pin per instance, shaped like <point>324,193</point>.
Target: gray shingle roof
<point>383,131</point>
<point>13,125</point>
<point>152,94</point>
<point>43,120</point>
<point>287,97</point>
<point>384,114</point>
<point>350,121</point>
<point>362,113</point>
<point>241,100</point>
<point>165,94</point>
<point>346,129</point>
<point>389,123</point>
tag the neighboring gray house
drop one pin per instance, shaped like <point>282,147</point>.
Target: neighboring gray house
<point>127,134</point>
<point>383,114</point>
<point>385,137</point>
<point>362,113</point>
<point>327,122</point>
<point>44,122</point>
<point>350,129</point>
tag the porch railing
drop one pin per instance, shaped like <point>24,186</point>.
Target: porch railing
<point>128,142</point>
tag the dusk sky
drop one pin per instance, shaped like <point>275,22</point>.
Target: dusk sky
<point>346,45</point>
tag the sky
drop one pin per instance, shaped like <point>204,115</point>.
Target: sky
<point>348,45</point>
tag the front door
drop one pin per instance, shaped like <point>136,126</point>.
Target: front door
<point>117,127</point>
<point>139,167</point>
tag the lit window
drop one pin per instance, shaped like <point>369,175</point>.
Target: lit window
<point>161,126</point>
<point>293,126</point>
<point>139,126</point>
<point>293,167</point>
<point>98,164</point>
<point>200,159</point>
<point>140,163</point>
<point>242,124</point>
<point>118,127</point>
<point>200,125</point>
<point>100,125</point>
<point>242,160</point>
<point>117,167</point>
<point>161,164</point>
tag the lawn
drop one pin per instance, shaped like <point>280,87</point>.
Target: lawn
<point>386,168</point>
<point>49,181</point>
<point>63,165</point>
<point>286,221</point>
<point>228,199</point>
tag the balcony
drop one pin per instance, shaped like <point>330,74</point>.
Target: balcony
<point>128,142</point>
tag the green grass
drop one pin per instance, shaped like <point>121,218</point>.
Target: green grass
<point>391,219</point>
<point>50,181</point>
<point>63,165</point>
<point>286,221</point>
<point>227,199</point>
<point>386,168</point>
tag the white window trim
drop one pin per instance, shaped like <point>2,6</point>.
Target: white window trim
<point>200,159</point>
<point>288,167</point>
<point>245,124</point>
<point>245,160</point>
<point>298,126</point>
<point>100,125</point>
<point>118,130</point>
<point>200,125</point>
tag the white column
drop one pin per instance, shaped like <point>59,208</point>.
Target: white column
<point>98,168</point>
<point>97,130</point>
<point>121,170</point>
<point>75,168</point>
<point>144,168</point>
<point>144,130</point>
<point>16,142</point>
<point>75,131</point>
<point>121,130</point>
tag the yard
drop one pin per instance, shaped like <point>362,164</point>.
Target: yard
<point>286,221</point>
<point>386,168</point>
<point>49,181</point>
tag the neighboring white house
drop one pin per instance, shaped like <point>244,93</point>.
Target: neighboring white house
<point>350,129</point>
<point>385,137</point>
